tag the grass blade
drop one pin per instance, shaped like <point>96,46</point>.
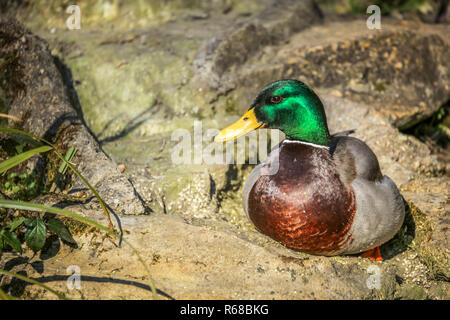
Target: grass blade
<point>16,223</point>
<point>69,156</point>
<point>24,133</point>
<point>4,115</point>
<point>41,208</point>
<point>102,204</point>
<point>4,296</point>
<point>14,161</point>
<point>21,277</point>
<point>63,167</point>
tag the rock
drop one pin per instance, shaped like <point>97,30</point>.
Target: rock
<point>401,73</point>
<point>197,239</point>
<point>274,25</point>
<point>33,87</point>
<point>190,265</point>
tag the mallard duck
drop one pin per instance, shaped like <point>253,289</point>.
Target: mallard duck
<point>316,193</point>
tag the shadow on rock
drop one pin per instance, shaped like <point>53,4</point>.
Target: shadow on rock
<point>403,238</point>
<point>104,280</point>
<point>51,248</point>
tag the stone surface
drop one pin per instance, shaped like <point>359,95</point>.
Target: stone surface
<point>136,85</point>
<point>193,266</point>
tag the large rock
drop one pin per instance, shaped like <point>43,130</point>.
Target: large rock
<point>198,262</point>
<point>34,91</point>
<point>402,70</point>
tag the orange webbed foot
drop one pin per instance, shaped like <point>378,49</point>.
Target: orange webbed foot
<point>373,254</point>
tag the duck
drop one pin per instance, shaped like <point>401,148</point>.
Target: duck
<point>317,193</point>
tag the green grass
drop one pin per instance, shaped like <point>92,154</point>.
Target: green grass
<point>33,229</point>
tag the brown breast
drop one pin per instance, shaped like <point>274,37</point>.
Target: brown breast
<point>305,205</point>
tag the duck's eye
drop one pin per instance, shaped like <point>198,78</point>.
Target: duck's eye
<point>276,99</point>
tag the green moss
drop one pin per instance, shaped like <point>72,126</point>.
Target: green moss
<point>19,182</point>
<point>440,290</point>
<point>404,237</point>
<point>387,6</point>
<point>381,85</point>
<point>76,227</point>
<point>436,260</point>
<point>231,106</point>
<point>411,292</point>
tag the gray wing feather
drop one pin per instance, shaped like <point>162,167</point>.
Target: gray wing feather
<point>380,209</point>
<point>379,214</point>
<point>354,159</point>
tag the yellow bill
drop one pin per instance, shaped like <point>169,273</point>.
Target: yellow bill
<point>244,125</point>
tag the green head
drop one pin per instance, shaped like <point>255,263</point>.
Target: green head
<point>287,105</point>
<point>294,108</point>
